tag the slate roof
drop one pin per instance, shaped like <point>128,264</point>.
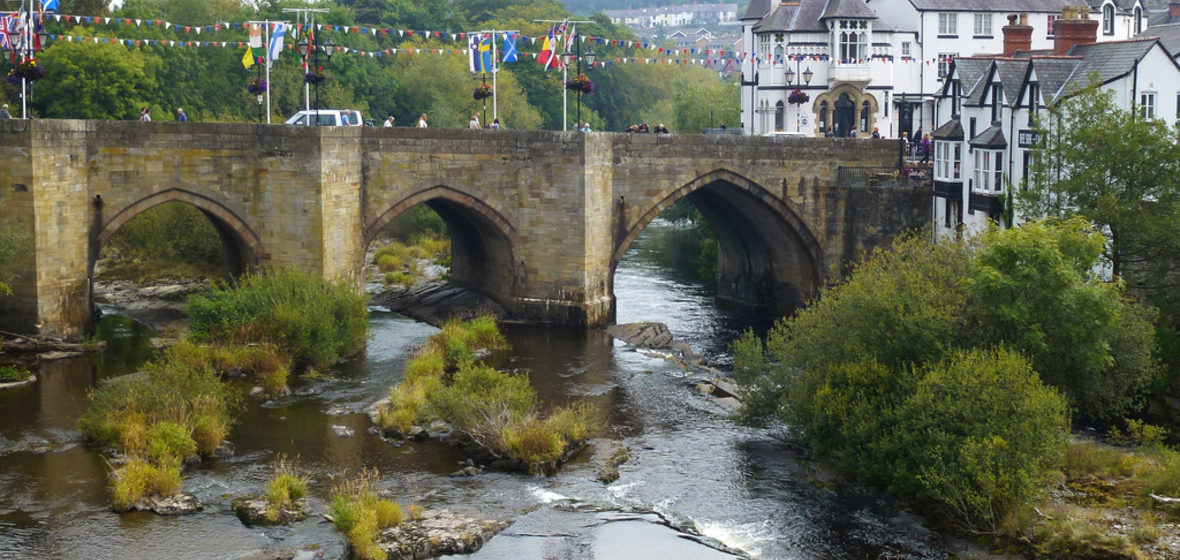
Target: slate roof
<point>971,72</point>
<point>1036,6</point>
<point>848,9</point>
<point>1123,5</point>
<point>1012,73</point>
<point>1108,60</point>
<point>1053,75</point>
<point>993,137</point>
<point>757,9</point>
<point>952,130</point>
<point>1168,34</point>
<point>788,17</point>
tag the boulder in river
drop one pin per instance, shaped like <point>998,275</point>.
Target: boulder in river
<point>178,504</point>
<point>642,335</point>
<point>256,510</point>
<point>436,533</point>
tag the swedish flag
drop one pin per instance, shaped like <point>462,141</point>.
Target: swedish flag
<point>483,62</point>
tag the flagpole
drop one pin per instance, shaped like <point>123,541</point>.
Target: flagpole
<point>495,71</point>
<point>267,43</point>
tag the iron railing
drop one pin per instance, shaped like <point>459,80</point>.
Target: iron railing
<point>860,177</point>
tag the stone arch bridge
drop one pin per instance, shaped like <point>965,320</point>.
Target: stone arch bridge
<point>538,220</point>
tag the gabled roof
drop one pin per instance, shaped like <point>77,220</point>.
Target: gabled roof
<point>1109,61</point>
<point>1124,6</point>
<point>993,137</point>
<point>1035,6</point>
<point>952,130</point>
<point>757,9</point>
<point>848,9</point>
<point>1012,74</point>
<point>971,73</point>
<point>1168,34</point>
<point>804,16</point>
<point>1052,75</point>
<point>1160,17</point>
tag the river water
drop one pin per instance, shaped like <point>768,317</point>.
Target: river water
<point>696,486</point>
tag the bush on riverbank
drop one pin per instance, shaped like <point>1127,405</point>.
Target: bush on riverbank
<point>359,513</point>
<point>496,411</point>
<point>9,374</point>
<point>400,260</point>
<point>315,322</point>
<point>285,487</point>
<point>158,418</point>
<point>873,355</point>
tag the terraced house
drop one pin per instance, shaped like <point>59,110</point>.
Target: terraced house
<point>988,110</point>
<point>865,64</point>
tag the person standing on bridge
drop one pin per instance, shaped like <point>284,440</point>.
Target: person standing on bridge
<point>422,121</point>
<point>4,114</point>
<point>180,116</point>
<point>474,124</point>
<point>389,122</point>
<point>145,115</point>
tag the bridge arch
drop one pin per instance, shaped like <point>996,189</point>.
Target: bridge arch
<point>483,238</point>
<point>239,242</point>
<point>768,256</point>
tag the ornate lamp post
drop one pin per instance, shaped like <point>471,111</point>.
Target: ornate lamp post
<point>27,70</point>
<point>807,74</point>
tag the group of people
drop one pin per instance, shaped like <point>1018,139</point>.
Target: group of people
<point>643,129</point>
<point>474,123</point>
<point>145,115</point>
<point>921,148</point>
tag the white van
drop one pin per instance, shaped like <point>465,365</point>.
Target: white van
<point>327,117</point>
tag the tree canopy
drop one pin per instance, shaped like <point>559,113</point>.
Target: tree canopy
<point>106,80</point>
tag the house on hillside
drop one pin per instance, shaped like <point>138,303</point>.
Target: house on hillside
<point>865,64</point>
<point>675,16</point>
<point>988,106</point>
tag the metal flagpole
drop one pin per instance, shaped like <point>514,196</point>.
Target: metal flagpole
<point>564,67</point>
<point>267,44</point>
<point>495,70</point>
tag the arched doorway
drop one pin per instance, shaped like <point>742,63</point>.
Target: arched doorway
<point>844,115</point>
<point>779,116</point>
<point>482,240</point>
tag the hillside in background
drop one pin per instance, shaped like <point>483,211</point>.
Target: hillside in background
<point>585,7</point>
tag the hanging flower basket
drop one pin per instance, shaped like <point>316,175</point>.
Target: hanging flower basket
<point>482,91</point>
<point>580,83</point>
<point>29,70</point>
<point>257,86</point>
<point>314,77</point>
<point>798,97</point>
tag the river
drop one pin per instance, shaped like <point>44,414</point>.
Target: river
<point>696,485</point>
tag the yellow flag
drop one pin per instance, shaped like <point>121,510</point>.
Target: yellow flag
<point>248,58</point>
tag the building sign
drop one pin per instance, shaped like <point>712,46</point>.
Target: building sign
<point>1027,138</point>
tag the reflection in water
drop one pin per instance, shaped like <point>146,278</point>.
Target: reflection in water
<point>696,486</point>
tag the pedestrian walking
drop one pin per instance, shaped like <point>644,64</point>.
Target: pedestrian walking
<point>474,124</point>
<point>495,124</point>
<point>180,116</point>
<point>422,121</point>
<point>926,145</point>
<point>4,114</point>
<point>389,122</point>
<point>145,115</point>
<point>876,133</point>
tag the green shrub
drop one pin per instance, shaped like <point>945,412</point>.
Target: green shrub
<point>171,411</point>
<point>138,479</point>
<point>979,434</point>
<point>361,514</point>
<point>285,487</point>
<point>9,374</point>
<point>315,322</point>
<point>1090,459</point>
<point>169,443</point>
<point>1139,433</point>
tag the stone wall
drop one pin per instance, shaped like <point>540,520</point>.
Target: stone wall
<point>539,219</point>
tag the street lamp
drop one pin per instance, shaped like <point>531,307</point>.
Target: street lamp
<point>302,46</point>
<point>807,74</point>
<point>329,49</point>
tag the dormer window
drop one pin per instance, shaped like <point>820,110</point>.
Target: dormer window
<point>852,38</point>
<point>955,98</point>
<point>1108,19</point>
<point>1138,21</point>
<point>1034,101</point>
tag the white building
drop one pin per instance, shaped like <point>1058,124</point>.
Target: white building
<point>879,63</point>
<point>986,110</point>
<point>675,16</point>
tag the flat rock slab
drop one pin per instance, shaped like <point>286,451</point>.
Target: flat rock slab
<point>642,335</point>
<point>438,532</point>
<point>253,510</point>
<point>437,303</point>
<point>180,504</point>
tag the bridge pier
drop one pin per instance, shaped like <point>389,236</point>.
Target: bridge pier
<point>539,220</point>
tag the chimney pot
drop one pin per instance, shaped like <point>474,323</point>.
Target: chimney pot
<point>1174,9</point>
<point>1074,28</point>
<point>1016,37</point>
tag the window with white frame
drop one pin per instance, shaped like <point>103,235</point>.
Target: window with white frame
<point>906,49</point>
<point>983,25</point>
<point>1147,104</point>
<point>1051,20</point>
<point>944,64</point>
<point>1138,15</point>
<point>1108,19</point>
<point>989,171</point>
<point>764,44</point>
<point>948,23</point>
<point>947,160</point>
<point>853,38</point>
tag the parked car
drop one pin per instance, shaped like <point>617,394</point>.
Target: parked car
<point>327,117</point>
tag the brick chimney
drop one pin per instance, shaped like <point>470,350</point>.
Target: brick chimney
<point>1017,36</point>
<point>1174,9</point>
<point>1074,28</point>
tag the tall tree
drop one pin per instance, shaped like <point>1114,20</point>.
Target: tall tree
<point>95,81</point>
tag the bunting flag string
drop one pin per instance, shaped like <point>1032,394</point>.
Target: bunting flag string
<point>659,56</point>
